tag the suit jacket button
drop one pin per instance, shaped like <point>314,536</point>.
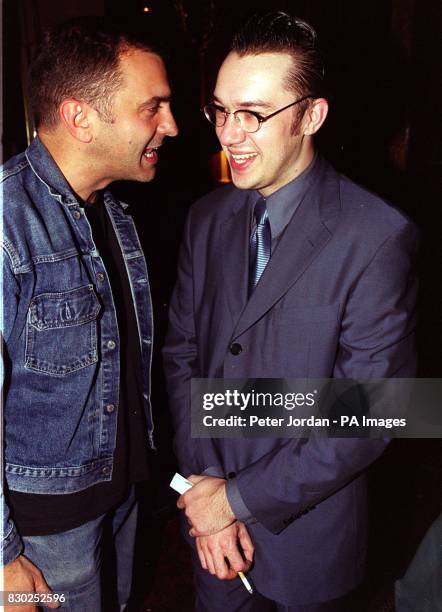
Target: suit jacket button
<point>235,348</point>
<point>231,475</point>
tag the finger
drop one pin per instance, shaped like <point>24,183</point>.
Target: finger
<point>211,529</point>
<point>52,604</point>
<point>246,543</point>
<point>194,479</point>
<point>234,557</point>
<point>180,502</point>
<point>41,586</point>
<point>210,565</point>
<point>221,567</point>
<point>201,555</point>
<point>195,533</point>
<point>208,557</point>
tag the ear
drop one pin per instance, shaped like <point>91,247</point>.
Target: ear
<point>75,116</point>
<point>315,116</point>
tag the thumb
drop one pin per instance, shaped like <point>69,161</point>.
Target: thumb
<point>41,586</point>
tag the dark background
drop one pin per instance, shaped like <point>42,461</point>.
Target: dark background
<point>384,131</point>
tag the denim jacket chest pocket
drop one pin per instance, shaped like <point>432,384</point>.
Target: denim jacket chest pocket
<point>61,331</point>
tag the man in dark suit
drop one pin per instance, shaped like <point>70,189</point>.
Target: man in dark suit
<point>293,272</point>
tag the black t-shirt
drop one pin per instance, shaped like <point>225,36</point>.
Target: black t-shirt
<point>36,514</point>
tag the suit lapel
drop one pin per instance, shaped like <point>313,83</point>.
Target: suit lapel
<point>303,239</point>
<point>235,239</point>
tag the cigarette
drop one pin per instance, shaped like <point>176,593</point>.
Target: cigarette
<point>181,485</point>
<point>245,582</point>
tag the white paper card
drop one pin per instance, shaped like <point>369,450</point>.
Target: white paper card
<point>180,484</point>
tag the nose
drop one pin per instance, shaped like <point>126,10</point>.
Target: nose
<point>231,132</point>
<point>167,125</point>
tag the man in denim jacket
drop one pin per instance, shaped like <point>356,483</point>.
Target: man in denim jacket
<point>76,312</point>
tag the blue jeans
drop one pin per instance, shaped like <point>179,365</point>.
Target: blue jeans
<point>71,560</point>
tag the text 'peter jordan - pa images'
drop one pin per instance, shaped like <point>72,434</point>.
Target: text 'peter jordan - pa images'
<point>298,408</point>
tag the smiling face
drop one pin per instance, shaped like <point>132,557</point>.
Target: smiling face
<point>274,155</point>
<point>126,147</point>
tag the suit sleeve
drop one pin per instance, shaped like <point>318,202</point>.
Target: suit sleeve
<point>376,341</point>
<point>11,545</point>
<point>180,357</point>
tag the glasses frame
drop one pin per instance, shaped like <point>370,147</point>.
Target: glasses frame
<point>258,116</point>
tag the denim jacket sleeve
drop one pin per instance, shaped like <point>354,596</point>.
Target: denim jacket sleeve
<point>11,544</point>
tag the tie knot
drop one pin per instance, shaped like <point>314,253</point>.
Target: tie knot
<point>260,211</point>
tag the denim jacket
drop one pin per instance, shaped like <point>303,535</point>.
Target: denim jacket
<point>60,335</point>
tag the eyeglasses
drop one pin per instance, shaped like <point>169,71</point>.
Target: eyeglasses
<point>249,121</point>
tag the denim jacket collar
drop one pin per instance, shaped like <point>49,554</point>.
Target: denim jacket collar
<point>44,166</point>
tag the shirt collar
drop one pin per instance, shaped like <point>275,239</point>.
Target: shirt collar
<point>282,204</point>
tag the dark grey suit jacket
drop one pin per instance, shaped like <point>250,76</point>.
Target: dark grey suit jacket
<point>336,299</point>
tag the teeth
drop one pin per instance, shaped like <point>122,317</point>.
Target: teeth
<point>150,151</point>
<point>241,159</point>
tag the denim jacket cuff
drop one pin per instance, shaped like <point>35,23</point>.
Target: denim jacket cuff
<point>12,545</point>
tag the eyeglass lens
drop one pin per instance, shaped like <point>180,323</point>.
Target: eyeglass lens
<point>218,117</point>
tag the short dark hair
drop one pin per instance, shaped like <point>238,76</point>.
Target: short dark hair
<point>80,59</point>
<point>279,32</point>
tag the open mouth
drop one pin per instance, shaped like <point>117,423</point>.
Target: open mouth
<point>150,153</point>
<point>240,161</point>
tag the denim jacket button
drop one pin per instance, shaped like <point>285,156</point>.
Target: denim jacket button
<point>77,214</point>
<point>100,277</point>
<point>106,469</point>
<point>111,344</point>
<point>110,408</point>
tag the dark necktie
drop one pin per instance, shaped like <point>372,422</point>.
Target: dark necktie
<point>260,244</point>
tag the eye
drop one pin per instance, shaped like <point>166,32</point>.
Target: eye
<point>249,120</point>
<point>251,115</point>
<point>152,110</point>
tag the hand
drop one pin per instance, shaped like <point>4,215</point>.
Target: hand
<point>22,576</point>
<point>222,554</point>
<point>206,505</point>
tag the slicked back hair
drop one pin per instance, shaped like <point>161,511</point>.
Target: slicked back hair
<point>80,59</point>
<point>279,32</point>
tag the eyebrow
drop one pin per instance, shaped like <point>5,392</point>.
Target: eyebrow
<point>154,100</point>
<point>248,103</point>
